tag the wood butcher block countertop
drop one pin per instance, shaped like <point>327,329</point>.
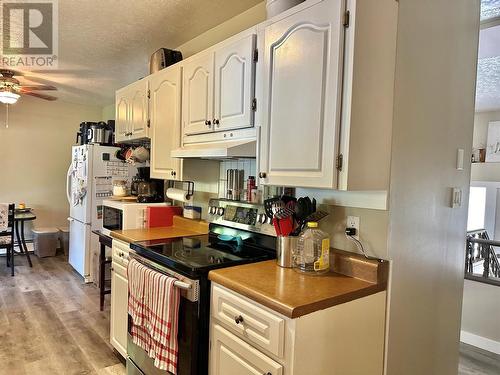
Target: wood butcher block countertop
<point>181,227</point>
<point>293,295</point>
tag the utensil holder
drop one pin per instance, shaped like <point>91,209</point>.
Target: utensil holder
<point>285,247</point>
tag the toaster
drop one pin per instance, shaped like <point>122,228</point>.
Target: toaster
<point>162,58</point>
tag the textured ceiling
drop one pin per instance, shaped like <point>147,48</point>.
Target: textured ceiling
<point>106,44</point>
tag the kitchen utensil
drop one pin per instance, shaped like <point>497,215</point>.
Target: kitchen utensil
<point>268,206</point>
<point>96,133</point>
<point>140,154</point>
<point>278,206</point>
<point>150,191</point>
<point>237,183</point>
<point>277,228</point>
<point>285,247</point>
<point>303,208</point>
<point>286,225</point>
<point>316,216</point>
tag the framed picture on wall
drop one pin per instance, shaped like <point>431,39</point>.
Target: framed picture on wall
<point>493,142</point>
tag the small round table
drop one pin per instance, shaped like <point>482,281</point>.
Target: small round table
<point>20,218</point>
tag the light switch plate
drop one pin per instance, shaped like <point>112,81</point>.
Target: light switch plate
<point>460,159</point>
<point>456,197</point>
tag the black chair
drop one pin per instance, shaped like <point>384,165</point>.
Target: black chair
<point>7,237</point>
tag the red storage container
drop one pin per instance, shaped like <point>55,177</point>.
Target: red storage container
<point>161,216</point>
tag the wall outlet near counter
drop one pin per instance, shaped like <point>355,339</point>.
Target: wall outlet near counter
<point>353,222</point>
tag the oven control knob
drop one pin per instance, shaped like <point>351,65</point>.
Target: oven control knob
<point>269,220</point>
<point>261,218</point>
<point>212,210</point>
<point>220,211</point>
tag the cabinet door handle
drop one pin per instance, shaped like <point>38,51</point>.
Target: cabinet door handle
<point>208,123</point>
<point>238,319</point>
<point>216,122</point>
<point>111,269</point>
<point>262,175</point>
<point>267,373</point>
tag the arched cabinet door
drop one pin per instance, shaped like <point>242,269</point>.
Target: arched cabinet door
<point>197,96</point>
<point>165,109</point>
<point>139,109</point>
<point>302,90</point>
<point>234,85</point>
<point>121,115</point>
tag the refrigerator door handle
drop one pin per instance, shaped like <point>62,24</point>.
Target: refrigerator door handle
<point>68,183</point>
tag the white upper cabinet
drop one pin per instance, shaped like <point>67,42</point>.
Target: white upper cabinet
<point>234,85</point>
<point>197,100</point>
<point>132,111</point>
<point>139,109</point>
<point>218,88</point>
<point>302,76</point>
<point>121,116</point>
<point>165,109</point>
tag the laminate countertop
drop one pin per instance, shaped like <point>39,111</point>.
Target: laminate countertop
<point>181,227</point>
<point>293,294</point>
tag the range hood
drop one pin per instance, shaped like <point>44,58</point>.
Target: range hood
<point>217,150</point>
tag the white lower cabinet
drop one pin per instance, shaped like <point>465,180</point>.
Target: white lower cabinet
<point>231,355</point>
<point>247,338</point>
<point>119,297</point>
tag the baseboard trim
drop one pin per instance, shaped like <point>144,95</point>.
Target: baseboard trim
<point>480,342</point>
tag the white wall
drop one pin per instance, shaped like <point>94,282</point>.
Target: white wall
<point>480,315</point>
<point>481,121</point>
<point>433,117</point>
<point>35,154</point>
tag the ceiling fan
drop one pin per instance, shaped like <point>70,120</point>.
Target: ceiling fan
<point>11,89</point>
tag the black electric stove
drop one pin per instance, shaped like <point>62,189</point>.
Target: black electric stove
<point>238,234</point>
<point>196,255</point>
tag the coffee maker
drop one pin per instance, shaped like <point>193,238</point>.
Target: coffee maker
<point>148,190</point>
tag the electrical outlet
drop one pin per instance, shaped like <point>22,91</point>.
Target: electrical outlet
<point>353,222</point>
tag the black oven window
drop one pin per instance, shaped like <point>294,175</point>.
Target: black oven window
<point>112,218</point>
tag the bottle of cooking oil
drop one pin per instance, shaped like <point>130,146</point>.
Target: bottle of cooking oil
<point>312,255</point>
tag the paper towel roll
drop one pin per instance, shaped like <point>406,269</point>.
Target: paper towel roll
<point>178,195</point>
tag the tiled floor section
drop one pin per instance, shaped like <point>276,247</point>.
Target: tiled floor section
<point>50,322</point>
<point>474,361</point>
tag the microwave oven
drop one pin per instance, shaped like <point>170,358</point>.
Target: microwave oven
<point>121,215</point>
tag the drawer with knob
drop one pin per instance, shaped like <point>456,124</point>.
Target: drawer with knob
<point>248,320</point>
<point>231,355</point>
<point>120,253</point>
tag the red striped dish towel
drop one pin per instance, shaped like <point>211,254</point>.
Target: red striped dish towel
<point>153,305</point>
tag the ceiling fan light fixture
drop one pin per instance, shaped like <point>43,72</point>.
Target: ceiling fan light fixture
<point>7,97</point>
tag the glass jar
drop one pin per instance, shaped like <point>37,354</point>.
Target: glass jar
<point>312,255</point>
<point>119,188</point>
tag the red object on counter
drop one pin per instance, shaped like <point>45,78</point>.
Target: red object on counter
<point>161,216</point>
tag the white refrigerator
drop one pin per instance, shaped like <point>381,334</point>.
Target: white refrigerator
<point>90,179</point>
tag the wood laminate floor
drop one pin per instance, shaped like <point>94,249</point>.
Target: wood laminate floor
<point>475,361</point>
<point>50,322</point>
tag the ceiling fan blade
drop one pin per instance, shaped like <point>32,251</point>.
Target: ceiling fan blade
<point>10,73</point>
<point>26,88</point>
<point>41,96</point>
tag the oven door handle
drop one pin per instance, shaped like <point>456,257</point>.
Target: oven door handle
<point>158,268</point>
